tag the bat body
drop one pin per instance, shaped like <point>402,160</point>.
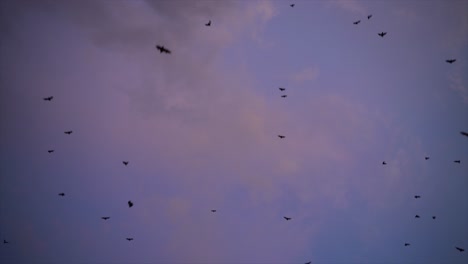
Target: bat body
<point>284,96</point>
<point>417,196</point>
<point>464,133</point>
<point>5,242</point>
<point>48,98</point>
<point>214,211</point>
<point>417,216</point>
<point>308,262</point>
<point>125,163</point>
<point>130,204</point>
<point>287,218</point>
<point>407,244</point>
<point>50,151</point>
<point>282,89</point>
<point>457,161</point>
<point>433,217</point>
<point>357,22</point>
<point>426,158</point>
<point>382,34</point>
<point>292,5</point>
<point>280,136</point>
<point>208,24</point>
<point>162,49</point>
<point>105,217</point>
<point>451,61</point>
<point>61,194</point>
<point>460,249</point>
<point>129,238</point>
<point>384,163</point>
<point>369,16</point>
<point>68,132</point>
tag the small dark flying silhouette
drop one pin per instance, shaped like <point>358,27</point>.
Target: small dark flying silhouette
<point>310,262</point>
<point>407,244</point>
<point>129,238</point>
<point>292,5</point>
<point>61,194</point>
<point>433,217</point>
<point>68,132</point>
<point>417,196</point>
<point>162,49</point>
<point>426,158</point>
<point>369,16</point>
<point>357,22</point>
<point>287,218</point>
<point>130,204</point>
<point>214,211</point>
<point>284,96</point>
<point>417,216</point>
<point>451,61</point>
<point>282,89</point>
<point>48,98</point>
<point>5,242</point>
<point>460,249</point>
<point>50,151</point>
<point>208,24</point>
<point>280,136</point>
<point>382,34</point>
<point>384,163</point>
<point>125,163</point>
<point>105,217</point>
<point>457,161</point>
<point>464,133</point>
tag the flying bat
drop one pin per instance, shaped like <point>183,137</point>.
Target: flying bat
<point>48,98</point>
<point>284,96</point>
<point>214,211</point>
<point>61,194</point>
<point>129,238</point>
<point>308,262</point>
<point>280,136</point>
<point>369,16</point>
<point>417,216</point>
<point>407,244</point>
<point>457,161</point>
<point>464,133</point>
<point>105,217</point>
<point>282,89</point>
<point>292,5</point>
<point>451,61</point>
<point>384,163</point>
<point>417,196</point>
<point>426,158</point>
<point>287,218</point>
<point>460,249</point>
<point>433,217</point>
<point>68,132</point>
<point>357,22</point>
<point>208,24</point>
<point>162,49</point>
<point>130,204</point>
<point>50,151</point>
<point>5,242</point>
<point>125,163</point>
<point>382,34</point>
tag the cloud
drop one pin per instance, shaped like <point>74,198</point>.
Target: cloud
<point>307,74</point>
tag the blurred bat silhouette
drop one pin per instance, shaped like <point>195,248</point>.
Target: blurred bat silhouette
<point>162,49</point>
<point>451,61</point>
<point>208,24</point>
<point>130,204</point>
<point>357,22</point>
<point>48,98</point>
<point>68,132</point>
<point>382,34</point>
<point>61,194</point>
<point>287,218</point>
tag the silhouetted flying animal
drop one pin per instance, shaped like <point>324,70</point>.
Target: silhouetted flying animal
<point>284,96</point>
<point>282,89</point>
<point>105,217</point>
<point>451,61</point>
<point>208,24</point>
<point>369,16</point>
<point>162,49</point>
<point>48,98</point>
<point>5,242</point>
<point>308,262</point>
<point>407,244</point>
<point>280,136</point>
<point>426,158</point>
<point>464,133</point>
<point>287,218</point>
<point>457,161</point>
<point>130,204</point>
<point>50,151</point>
<point>214,211</point>
<point>382,34</point>
<point>68,132</point>
<point>62,194</point>
<point>433,217</point>
<point>384,163</point>
<point>417,196</point>
<point>417,216</point>
<point>129,238</point>
<point>460,249</point>
<point>125,163</point>
<point>292,5</point>
<point>357,22</point>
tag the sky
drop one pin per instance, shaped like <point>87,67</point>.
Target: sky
<point>200,129</point>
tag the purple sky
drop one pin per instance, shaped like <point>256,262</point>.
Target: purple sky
<point>199,128</point>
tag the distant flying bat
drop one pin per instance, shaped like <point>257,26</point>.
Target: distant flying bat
<point>292,5</point>
<point>125,163</point>
<point>105,217</point>
<point>451,61</point>
<point>457,161</point>
<point>208,24</point>
<point>460,249</point>
<point>382,34</point>
<point>282,89</point>
<point>426,158</point>
<point>287,218</point>
<point>68,132</point>
<point>407,244</point>
<point>50,151</point>
<point>62,194</point>
<point>417,216</point>
<point>369,16</point>
<point>384,163</point>
<point>48,98</point>
<point>284,96</point>
<point>5,242</point>
<point>129,238</point>
<point>433,217</point>
<point>308,262</point>
<point>162,49</point>
<point>357,22</point>
<point>280,136</point>
<point>214,211</point>
<point>130,204</point>
<point>464,133</point>
<point>417,196</point>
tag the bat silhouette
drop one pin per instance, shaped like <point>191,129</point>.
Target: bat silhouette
<point>61,194</point>
<point>382,34</point>
<point>426,158</point>
<point>284,96</point>
<point>357,22</point>
<point>50,151</point>
<point>129,238</point>
<point>464,133</point>
<point>457,161</point>
<point>282,89</point>
<point>407,244</point>
<point>451,61</point>
<point>384,163</point>
<point>308,262</point>
<point>280,136</point>
<point>369,16</point>
<point>162,49</point>
<point>433,217</point>
<point>68,132</point>
<point>460,249</point>
<point>214,211</point>
<point>417,196</point>
<point>105,217</point>
<point>292,5</point>
<point>48,98</point>
<point>208,24</point>
<point>5,242</point>
<point>125,163</point>
<point>130,204</point>
<point>287,218</point>
<point>417,216</point>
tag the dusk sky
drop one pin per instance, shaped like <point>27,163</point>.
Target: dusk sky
<point>200,129</point>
